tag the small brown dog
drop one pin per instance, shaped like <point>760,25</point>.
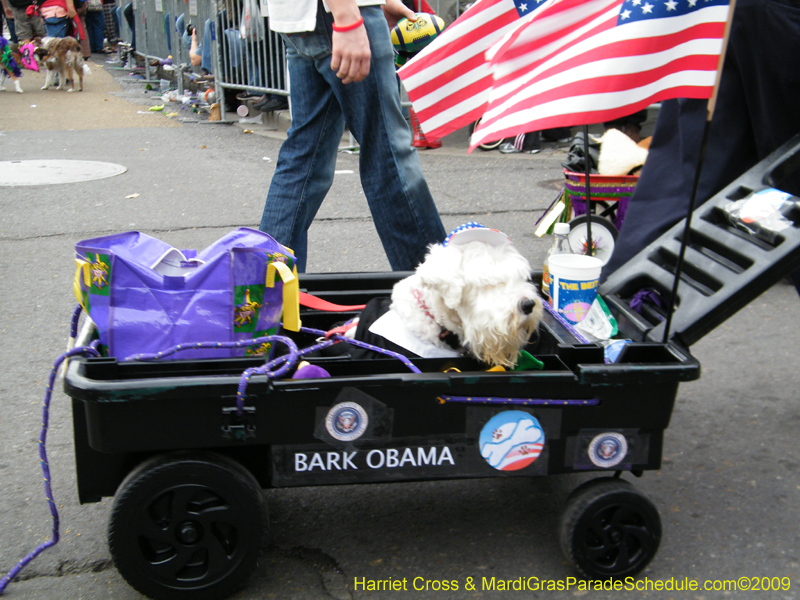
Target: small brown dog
<point>62,56</point>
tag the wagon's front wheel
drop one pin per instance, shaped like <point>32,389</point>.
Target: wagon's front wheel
<point>609,529</point>
<point>187,526</point>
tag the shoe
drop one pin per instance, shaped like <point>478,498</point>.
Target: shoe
<point>272,104</point>
<point>508,148</point>
<point>244,96</point>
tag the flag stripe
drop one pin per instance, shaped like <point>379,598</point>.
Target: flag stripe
<point>471,95</point>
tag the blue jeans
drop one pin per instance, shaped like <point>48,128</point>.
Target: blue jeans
<point>95,29</point>
<point>56,26</point>
<point>401,204</point>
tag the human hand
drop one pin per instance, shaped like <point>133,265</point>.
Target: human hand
<point>394,10</point>
<point>8,11</point>
<point>351,55</point>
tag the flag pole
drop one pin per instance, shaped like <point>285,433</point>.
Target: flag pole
<point>588,169</point>
<point>712,102</point>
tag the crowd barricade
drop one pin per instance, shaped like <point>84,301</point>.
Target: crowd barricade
<point>236,45</point>
<point>249,57</point>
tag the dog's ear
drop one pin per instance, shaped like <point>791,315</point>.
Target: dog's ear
<point>442,271</point>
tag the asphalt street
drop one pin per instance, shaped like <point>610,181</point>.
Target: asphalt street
<point>728,491</point>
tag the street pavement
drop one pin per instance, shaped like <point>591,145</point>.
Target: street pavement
<point>728,491</point>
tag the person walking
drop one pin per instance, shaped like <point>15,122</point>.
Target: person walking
<point>341,70</point>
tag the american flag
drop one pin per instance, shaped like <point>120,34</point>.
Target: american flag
<point>449,81</point>
<point>578,62</point>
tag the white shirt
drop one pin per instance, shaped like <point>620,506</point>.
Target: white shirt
<point>292,16</point>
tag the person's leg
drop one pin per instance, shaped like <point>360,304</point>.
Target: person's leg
<point>109,20</point>
<point>27,27</point>
<point>131,21</point>
<point>95,25</point>
<point>401,204</point>
<point>307,159</point>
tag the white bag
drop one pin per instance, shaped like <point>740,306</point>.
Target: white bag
<point>252,25</point>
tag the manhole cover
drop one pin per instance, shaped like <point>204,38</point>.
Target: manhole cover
<point>45,172</point>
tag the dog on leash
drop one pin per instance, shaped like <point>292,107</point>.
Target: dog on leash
<point>62,56</point>
<point>9,65</point>
<point>473,294</point>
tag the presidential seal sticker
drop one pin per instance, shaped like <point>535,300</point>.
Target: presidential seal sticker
<point>511,440</point>
<point>608,449</point>
<point>347,421</point>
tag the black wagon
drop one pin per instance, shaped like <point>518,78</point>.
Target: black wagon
<point>185,448</point>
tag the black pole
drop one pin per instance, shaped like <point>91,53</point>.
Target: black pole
<point>588,166</point>
<point>685,237</point>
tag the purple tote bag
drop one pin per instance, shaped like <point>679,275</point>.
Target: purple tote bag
<point>144,296</point>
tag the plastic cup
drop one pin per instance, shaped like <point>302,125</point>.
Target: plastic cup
<point>164,85</point>
<point>573,284</point>
<point>242,110</point>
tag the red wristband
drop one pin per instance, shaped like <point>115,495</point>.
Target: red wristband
<point>343,28</point>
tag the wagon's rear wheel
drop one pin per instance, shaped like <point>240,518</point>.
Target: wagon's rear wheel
<point>188,526</point>
<point>609,529</point>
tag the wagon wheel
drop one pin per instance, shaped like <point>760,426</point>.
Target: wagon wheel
<point>609,529</point>
<point>604,236</point>
<point>487,145</point>
<point>187,526</point>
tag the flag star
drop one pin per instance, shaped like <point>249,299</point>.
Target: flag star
<point>692,3</point>
<point>626,14</point>
<point>636,2</point>
<point>647,8</point>
<point>670,4</point>
<point>523,7</point>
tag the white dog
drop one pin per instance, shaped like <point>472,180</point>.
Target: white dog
<point>473,293</point>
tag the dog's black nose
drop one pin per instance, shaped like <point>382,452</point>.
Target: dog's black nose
<point>526,306</point>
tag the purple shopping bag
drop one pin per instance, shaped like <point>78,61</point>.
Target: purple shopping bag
<point>144,296</point>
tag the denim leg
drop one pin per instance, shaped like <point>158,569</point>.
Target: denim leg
<point>56,26</point>
<point>307,158</point>
<point>95,25</point>
<point>403,210</point>
<point>205,49</point>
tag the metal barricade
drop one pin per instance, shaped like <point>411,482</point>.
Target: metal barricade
<point>249,56</point>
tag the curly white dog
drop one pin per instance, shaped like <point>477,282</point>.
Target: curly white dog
<point>472,294</point>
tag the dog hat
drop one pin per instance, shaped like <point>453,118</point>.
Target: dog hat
<point>475,232</point>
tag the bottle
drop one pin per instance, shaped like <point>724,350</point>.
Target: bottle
<point>560,246</point>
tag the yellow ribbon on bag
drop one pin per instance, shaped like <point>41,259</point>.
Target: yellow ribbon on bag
<point>291,293</point>
<point>85,267</point>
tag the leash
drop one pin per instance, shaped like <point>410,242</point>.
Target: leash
<point>90,350</point>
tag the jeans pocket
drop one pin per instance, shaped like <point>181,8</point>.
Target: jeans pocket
<point>308,44</point>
